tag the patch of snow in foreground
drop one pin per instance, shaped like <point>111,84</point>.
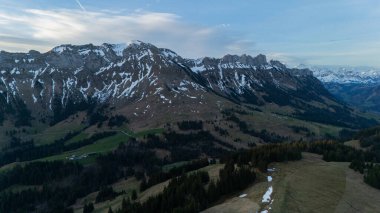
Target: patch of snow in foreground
<point>266,196</point>
<point>269,178</point>
<point>243,195</point>
<point>265,211</point>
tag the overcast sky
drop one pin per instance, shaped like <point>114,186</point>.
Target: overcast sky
<point>331,32</point>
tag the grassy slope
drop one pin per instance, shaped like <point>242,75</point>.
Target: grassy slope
<point>355,144</point>
<point>59,130</point>
<point>79,137</point>
<point>358,196</point>
<point>236,205</point>
<point>309,185</point>
<point>130,184</point>
<point>10,166</point>
<point>126,185</point>
<point>280,124</point>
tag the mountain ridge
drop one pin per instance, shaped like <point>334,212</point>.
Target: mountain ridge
<point>345,74</point>
<point>147,79</point>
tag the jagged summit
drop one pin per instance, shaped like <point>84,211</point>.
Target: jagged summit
<point>235,61</point>
<point>109,51</point>
<point>259,60</point>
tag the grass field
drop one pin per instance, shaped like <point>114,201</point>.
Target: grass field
<point>309,185</point>
<point>57,131</point>
<point>79,137</point>
<point>101,146</point>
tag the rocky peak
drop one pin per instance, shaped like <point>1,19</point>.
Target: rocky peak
<point>208,61</point>
<point>229,59</point>
<point>141,46</point>
<point>259,60</point>
<point>278,64</point>
<point>34,53</point>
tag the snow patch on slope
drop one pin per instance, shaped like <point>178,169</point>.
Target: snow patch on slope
<point>119,48</point>
<point>61,49</point>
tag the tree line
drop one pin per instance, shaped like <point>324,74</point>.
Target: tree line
<point>194,192</point>
<point>372,176</point>
<point>174,172</point>
<point>53,196</point>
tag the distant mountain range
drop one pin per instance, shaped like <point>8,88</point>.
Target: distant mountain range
<point>344,74</point>
<point>358,86</point>
<point>150,84</point>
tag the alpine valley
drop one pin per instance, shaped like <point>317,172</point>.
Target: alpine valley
<point>357,86</point>
<point>134,128</point>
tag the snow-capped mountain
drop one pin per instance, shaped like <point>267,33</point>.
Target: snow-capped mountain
<point>357,86</point>
<point>344,74</point>
<point>143,80</point>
